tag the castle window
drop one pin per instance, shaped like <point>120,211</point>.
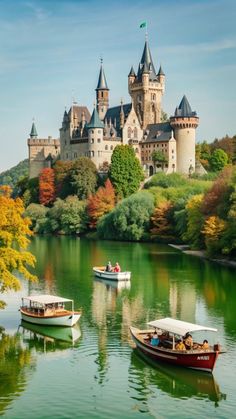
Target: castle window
<point>135,132</point>
<point>134,121</point>
<point>92,131</point>
<point>129,132</point>
<point>136,150</point>
<point>106,147</point>
<point>99,131</point>
<point>99,140</point>
<point>172,151</point>
<point>92,140</point>
<point>111,148</point>
<point>92,153</point>
<point>153,96</point>
<point>101,94</point>
<point>173,165</point>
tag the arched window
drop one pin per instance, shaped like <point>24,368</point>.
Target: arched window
<point>106,147</point>
<point>129,132</point>
<point>135,132</point>
<point>154,96</point>
<point>136,150</point>
<point>111,148</point>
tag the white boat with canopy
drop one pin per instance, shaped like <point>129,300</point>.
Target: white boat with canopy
<point>49,310</point>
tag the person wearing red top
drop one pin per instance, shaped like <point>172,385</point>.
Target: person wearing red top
<point>117,267</point>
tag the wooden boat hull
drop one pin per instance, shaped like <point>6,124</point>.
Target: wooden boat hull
<point>67,319</point>
<point>112,276</point>
<point>195,359</point>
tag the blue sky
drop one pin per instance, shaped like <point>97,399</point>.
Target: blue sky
<point>50,51</point>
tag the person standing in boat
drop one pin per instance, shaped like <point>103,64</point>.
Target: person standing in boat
<point>117,267</point>
<point>109,267</point>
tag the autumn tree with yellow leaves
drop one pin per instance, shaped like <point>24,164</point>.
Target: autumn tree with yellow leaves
<point>14,239</point>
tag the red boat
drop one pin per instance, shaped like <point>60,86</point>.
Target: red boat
<point>169,331</point>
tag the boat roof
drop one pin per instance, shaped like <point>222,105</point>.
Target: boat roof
<point>46,299</point>
<point>178,327</point>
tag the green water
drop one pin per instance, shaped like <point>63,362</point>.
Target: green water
<point>96,373</point>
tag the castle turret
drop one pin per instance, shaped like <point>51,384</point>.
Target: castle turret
<point>95,138</point>
<point>184,123</point>
<point>146,90</point>
<point>102,94</point>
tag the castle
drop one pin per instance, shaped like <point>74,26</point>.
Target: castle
<point>138,124</point>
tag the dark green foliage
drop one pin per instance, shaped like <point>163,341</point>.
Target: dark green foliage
<point>125,171</point>
<point>218,160</point>
<point>130,219</point>
<point>68,216</point>
<point>83,177</point>
<point>12,176</point>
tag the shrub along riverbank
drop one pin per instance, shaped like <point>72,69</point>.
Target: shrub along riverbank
<point>170,208</point>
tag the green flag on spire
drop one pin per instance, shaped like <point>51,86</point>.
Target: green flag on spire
<point>143,25</point>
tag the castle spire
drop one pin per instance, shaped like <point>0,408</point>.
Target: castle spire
<point>33,133</point>
<point>102,83</point>
<point>146,63</point>
<point>102,93</point>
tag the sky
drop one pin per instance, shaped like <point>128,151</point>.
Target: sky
<point>50,56</point>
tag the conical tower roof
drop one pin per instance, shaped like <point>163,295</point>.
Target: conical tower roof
<point>184,108</point>
<point>132,72</point>
<point>102,83</point>
<point>146,62</point>
<point>160,72</point>
<point>95,121</point>
<point>33,133</point>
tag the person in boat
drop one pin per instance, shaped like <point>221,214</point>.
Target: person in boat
<point>188,341</point>
<point>205,344</point>
<point>117,267</point>
<point>155,340</point>
<point>109,267</point>
<point>180,346</point>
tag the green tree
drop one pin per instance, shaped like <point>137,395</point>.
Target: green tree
<point>38,216</point>
<point>218,160</point>
<point>195,222</point>
<point>83,177</point>
<point>68,216</point>
<point>130,219</point>
<point>125,171</point>
<point>160,158</point>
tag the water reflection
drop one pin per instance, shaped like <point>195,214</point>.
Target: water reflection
<point>177,382</point>
<point>43,338</point>
<point>16,362</point>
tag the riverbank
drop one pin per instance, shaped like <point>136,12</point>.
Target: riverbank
<point>202,254</point>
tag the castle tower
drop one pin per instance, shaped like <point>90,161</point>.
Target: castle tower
<point>146,89</point>
<point>95,138</point>
<point>102,94</point>
<point>184,123</point>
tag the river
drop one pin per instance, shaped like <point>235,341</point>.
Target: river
<point>97,373</point>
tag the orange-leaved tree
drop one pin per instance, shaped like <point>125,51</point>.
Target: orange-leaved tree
<point>46,186</point>
<point>161,225</point>
<point>102,202</point>
<point>14,232</point>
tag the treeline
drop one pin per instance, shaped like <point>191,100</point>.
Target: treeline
<point>214,156</point>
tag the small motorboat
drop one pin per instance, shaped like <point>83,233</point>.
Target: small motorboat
<point>168,329</point>
<point>49,310</point>
<point>100,272</point>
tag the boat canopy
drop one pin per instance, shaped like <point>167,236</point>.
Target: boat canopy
<point>178,327</point>
<point>46,299</point>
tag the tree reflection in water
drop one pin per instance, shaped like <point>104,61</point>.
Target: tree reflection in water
<point>15,365</point>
